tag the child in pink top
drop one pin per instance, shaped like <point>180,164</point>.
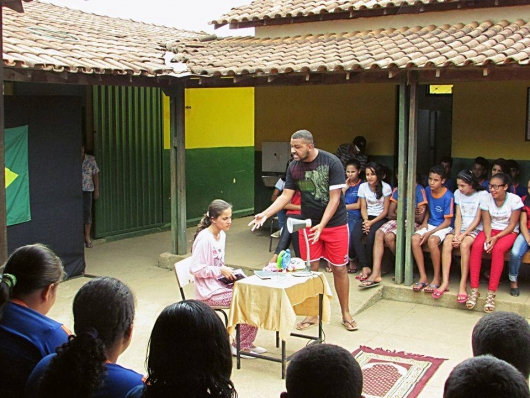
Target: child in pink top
<point>208,265</point>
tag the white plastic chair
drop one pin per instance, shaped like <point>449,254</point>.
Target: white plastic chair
<point>184,278</point>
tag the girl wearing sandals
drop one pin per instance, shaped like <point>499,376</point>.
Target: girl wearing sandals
<point>351,199</point>
<point>500,216</point>
<point>521,245</point>
<point>467,226</point>
<point>208,265</point>
<point>374,198</point>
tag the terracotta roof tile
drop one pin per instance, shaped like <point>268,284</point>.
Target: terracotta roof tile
<point>57,38</point>
<point>274,9</point>
<point>460,45</point>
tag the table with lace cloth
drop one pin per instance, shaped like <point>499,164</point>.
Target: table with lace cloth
<point>274,304</point>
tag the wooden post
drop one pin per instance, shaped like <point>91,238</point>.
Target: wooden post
<point>411,175</point>
<point>402,178</point>
<point>178,171</point>
<point>3,209</point>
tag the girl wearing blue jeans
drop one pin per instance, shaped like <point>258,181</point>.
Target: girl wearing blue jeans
<point>521,244</point>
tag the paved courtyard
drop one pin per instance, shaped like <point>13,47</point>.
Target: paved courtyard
<point>402,326</point>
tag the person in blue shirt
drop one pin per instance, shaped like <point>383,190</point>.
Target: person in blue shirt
<point>28,287</point>
<point>436,225</point>
<point>86,365</point>
<point>480,171</point>
<point>386,235</point>
<point>351,199</point>
<point>189,355</point>
<point>514,171</point>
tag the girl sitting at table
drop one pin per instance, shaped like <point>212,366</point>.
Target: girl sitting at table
<point>208,265</point>
<point>189,355</point>
<point>500,216</point>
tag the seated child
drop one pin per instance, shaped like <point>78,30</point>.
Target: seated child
<point>521,244</point>
<point>435,226</point>
<point>467,225</point>
<point>485,377</point>
<point>480,171</point>
<point>351,199</point>
<point>386,235</point>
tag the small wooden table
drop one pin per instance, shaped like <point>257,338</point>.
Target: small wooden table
<point>274,304</point>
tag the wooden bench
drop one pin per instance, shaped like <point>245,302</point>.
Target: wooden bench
<point>487,256</point>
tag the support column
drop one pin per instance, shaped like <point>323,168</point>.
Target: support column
<point>402,179</point>
<point>178,170</point>
<point>411,174</point>
<point>3,209</point>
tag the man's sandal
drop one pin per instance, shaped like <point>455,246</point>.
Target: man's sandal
<point>472,300</point>
<point>350,326</point>
<point>489,307</point>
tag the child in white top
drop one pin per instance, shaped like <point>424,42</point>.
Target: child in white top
<point>374,198</point>
<point>500,215</point>
<point>467,225</point>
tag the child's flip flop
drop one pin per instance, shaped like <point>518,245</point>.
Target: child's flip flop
<point>419,286</point>
<point>438,293</point>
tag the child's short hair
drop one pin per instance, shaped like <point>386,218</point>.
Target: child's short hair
<point>354,162</point>
<point>505,335</point>
<point>324,370</point>
<point>485,377</point>
<point>438,169</point>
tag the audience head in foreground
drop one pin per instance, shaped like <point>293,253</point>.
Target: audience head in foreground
<point>28,287</point>
<point>86,366</point>
<point>504,335</point>
<point>189,354</point>
<point>485,377</point>
<point>323,371</point>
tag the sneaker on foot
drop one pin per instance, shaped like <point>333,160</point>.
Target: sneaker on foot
<point>258,350</point>
<point>277,234</point>
<point>234,353</point>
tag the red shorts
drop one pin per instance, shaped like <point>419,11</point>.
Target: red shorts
<point>331,246</point>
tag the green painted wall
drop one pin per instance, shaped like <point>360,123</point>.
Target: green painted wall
<point>224,173</point>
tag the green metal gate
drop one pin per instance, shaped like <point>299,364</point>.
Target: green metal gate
<point>128,139</point>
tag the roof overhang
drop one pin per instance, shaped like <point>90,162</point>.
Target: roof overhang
<point>418,7</point>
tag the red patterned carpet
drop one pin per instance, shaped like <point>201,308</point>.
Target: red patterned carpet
<point>390,374</point>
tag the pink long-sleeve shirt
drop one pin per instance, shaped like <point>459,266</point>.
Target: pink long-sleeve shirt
<point>208,256</point>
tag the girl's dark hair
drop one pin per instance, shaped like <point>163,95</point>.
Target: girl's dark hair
<point>189,354</point>
<point>214,210</point>
<point>34,267</point>
<point>103,314</point>
<point>505,178</point>
<point>469,178</point>
<point>501,162</point>
<point>378,170</point>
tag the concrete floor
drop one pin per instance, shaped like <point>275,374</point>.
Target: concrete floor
<point>403,325</point>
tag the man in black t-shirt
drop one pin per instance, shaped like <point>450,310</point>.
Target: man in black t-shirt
<point>319,177</point>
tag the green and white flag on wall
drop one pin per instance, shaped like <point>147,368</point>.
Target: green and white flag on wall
<point>17,175</point>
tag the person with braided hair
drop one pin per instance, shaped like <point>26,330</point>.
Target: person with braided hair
<point>28,287</point>
<point>86,365</point>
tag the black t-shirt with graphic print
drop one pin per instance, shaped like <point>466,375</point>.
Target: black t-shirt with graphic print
<point>314,181</point>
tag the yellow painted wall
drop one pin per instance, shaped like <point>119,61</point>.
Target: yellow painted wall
<point>166,123</point>
<point>219,117</point>
<point>333,114</point>
<point>489,120</point>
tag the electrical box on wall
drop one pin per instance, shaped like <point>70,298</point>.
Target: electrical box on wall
<point>275,156</point>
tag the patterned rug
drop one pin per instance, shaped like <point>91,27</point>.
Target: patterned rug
<point>390,374</point>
